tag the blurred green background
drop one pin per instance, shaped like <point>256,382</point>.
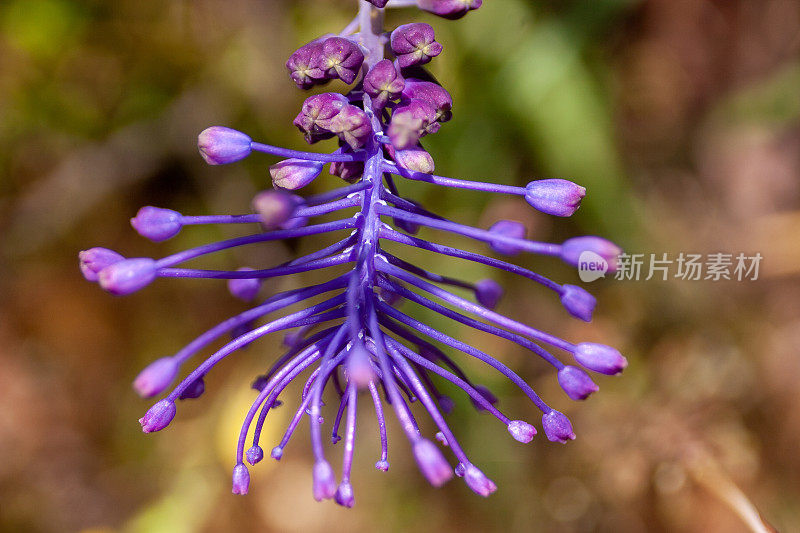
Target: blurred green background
<point>682,119</point>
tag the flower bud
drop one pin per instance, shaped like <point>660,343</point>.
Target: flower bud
<point>488,293</point>
<point>382,465</point>
<point>415,159</point>
<point>93,260</point>
<point>304,65</point>
<point>193,390</point>
<point>600,358</point>
<point>446,404</point>
<point>449,9</point>
<point>554,196</point>
<point>158,417</point>
<point>352,126</point>
<point>414,44</point>
<point>409,123</point>
<point>128,275</point>
<point>576,383</point>
<point>156,377</point>
<point>557,427</point>
<point>157,224</point>
<point>294,173</point>
<point>431,93</point>
<point>521,431</point>
<point>378,3</point>
<point>349,171</point>
<point>432,463</point>
<point>507,228</point>
<point>478,482</point>
<point>244,288</point>
<point>220,145</point>
<point>359,368</point>
<point>460,469</point>
<point>324,482</point>
<point>254,454</point>
<point>412,228</point>
<point>383,83</point>
<point>594,248</point>
<point>317,112</point>
<point>344,495</point>
<point>241,479</point>
<point>578,302</point>
<point>486,393</point>
<point>341,58</point>
<point>275,207</point>
<point>276,453</point>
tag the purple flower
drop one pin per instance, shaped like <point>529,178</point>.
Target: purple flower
<point>554,196</point>
<point>93,260</point>
<point>450,9</point>
<point>220,145</point>
<point>294,173</point>
<point>157,224</point>
<point>351,338</point>
<point>414,44</point>
<point>383,83</point>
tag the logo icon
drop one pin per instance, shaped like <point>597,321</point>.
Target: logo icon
<point>591,266</point>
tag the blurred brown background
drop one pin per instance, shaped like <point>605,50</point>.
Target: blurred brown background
<point>681,117</point>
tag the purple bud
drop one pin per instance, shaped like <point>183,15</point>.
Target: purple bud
<point>600,358</point>
<point>432,463</point>
<point>382,465</point>
<point>409,123</point>
<point>241,479</point>
<point>441,438</point>
<point>158,417</point>
<point>157,224</point>
<point>304,65</point>
<point>578,302</point>
<point>254,454</point>
<point>93,260</point>
<point>294,173</point>
<point>359,368</point>
<point>324,482</point>
<point>259,383</point>
<point>349,171</point>
<point>478,482</point>
<point>275,207</point>
<point>244,288</point>
<point>446,404</point>
<point>521,431</point>
<point>220,145</point>
<point>317,112</point>
<point>383,83</point>
<point>378,3</point>
<point>576,383</point>
<point>414,44</point>
<point>582,249</point>
<point>449,9</point>
<point>408,226</point>
<point>415,159</point>
<point>507,228</point>
<point>352,126</point>
<point>460,469</point>
<point>431,93</point>
<point>156,377</point>
<point>193,390</point>
<point>554,196</point>
<point>344,495</point>
<point>488,293</point>
<point>128,275</point>
<point>341,58</point>
<point>557,427</point>
<point>276,453</point>
<point>486,393</point>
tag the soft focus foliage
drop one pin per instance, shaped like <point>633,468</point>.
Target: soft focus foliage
<point>680,118</point>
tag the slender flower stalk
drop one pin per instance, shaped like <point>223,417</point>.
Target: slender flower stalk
<point>357,340</point>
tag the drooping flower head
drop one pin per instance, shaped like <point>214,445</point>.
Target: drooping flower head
<point>361,341</point>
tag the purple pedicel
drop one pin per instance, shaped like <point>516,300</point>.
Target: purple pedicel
<point>348,335</point>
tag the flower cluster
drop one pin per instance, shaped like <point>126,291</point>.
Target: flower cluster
<point>357,339</point>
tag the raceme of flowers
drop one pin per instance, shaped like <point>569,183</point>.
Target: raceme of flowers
<point>360,342</point>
